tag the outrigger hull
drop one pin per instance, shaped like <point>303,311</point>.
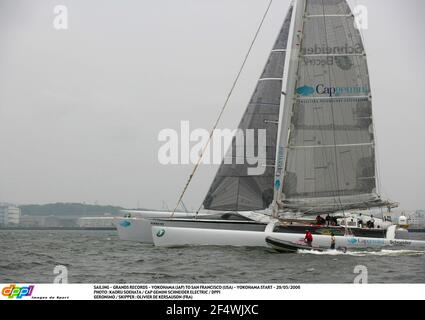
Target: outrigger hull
<point>136,225</point>
<point>139,229</point>
<point>173,236</point>
<point>289,247</point>
<point>134,229</point>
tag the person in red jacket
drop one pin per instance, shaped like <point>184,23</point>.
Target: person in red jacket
<point>308,238</point>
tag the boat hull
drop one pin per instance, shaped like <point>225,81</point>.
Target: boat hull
<point>134,229</point>
<point>336,230</point>
<point>289,247</point>
<point>136,225</point>
<point>139,229</point>
<point>173,236</point>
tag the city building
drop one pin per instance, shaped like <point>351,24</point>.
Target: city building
<point>9,215</point>
<point>417,219</point>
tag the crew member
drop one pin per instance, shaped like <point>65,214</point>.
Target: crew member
<point>328,220</point>
<point>372,222</point>
<point>320,221</point>
<point>308,238</point>
<point>333,241</point>
<point>360,221</point>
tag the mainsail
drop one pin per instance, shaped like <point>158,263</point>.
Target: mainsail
<point>233,188</point>
<point>329,162</point>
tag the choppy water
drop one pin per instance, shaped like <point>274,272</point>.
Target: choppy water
<point>100,257</point>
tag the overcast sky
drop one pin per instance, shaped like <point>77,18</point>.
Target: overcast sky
<point>81,109</point>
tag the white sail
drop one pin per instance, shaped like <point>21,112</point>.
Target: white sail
<point>326,158</point>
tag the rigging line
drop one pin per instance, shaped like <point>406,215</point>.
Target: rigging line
<point>201,156</point>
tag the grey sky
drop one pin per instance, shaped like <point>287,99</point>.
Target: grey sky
<point>81,109</point>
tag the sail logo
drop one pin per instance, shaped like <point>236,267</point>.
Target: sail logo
<point>160,233</point>
<point>305,91</point>
<point>125,224</point>
<point>14,291</point>
<point>366,242</point>
<point>372,242</point>
<point>352,241</point>
<point>343,62</point>
<point>330,91</point>
<point>336,50</point>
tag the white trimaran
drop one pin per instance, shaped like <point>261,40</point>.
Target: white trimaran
<point>314,101</point>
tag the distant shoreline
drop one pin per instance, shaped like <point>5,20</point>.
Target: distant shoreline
<point>57,229</point>
<point>103,229</point>
<point>417,230</point>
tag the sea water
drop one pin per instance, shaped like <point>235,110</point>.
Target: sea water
<point>100,257</point>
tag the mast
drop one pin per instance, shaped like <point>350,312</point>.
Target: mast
<point>287,103</point>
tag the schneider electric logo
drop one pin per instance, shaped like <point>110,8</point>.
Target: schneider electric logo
<point>13,291</point>
<point>329,91</point>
